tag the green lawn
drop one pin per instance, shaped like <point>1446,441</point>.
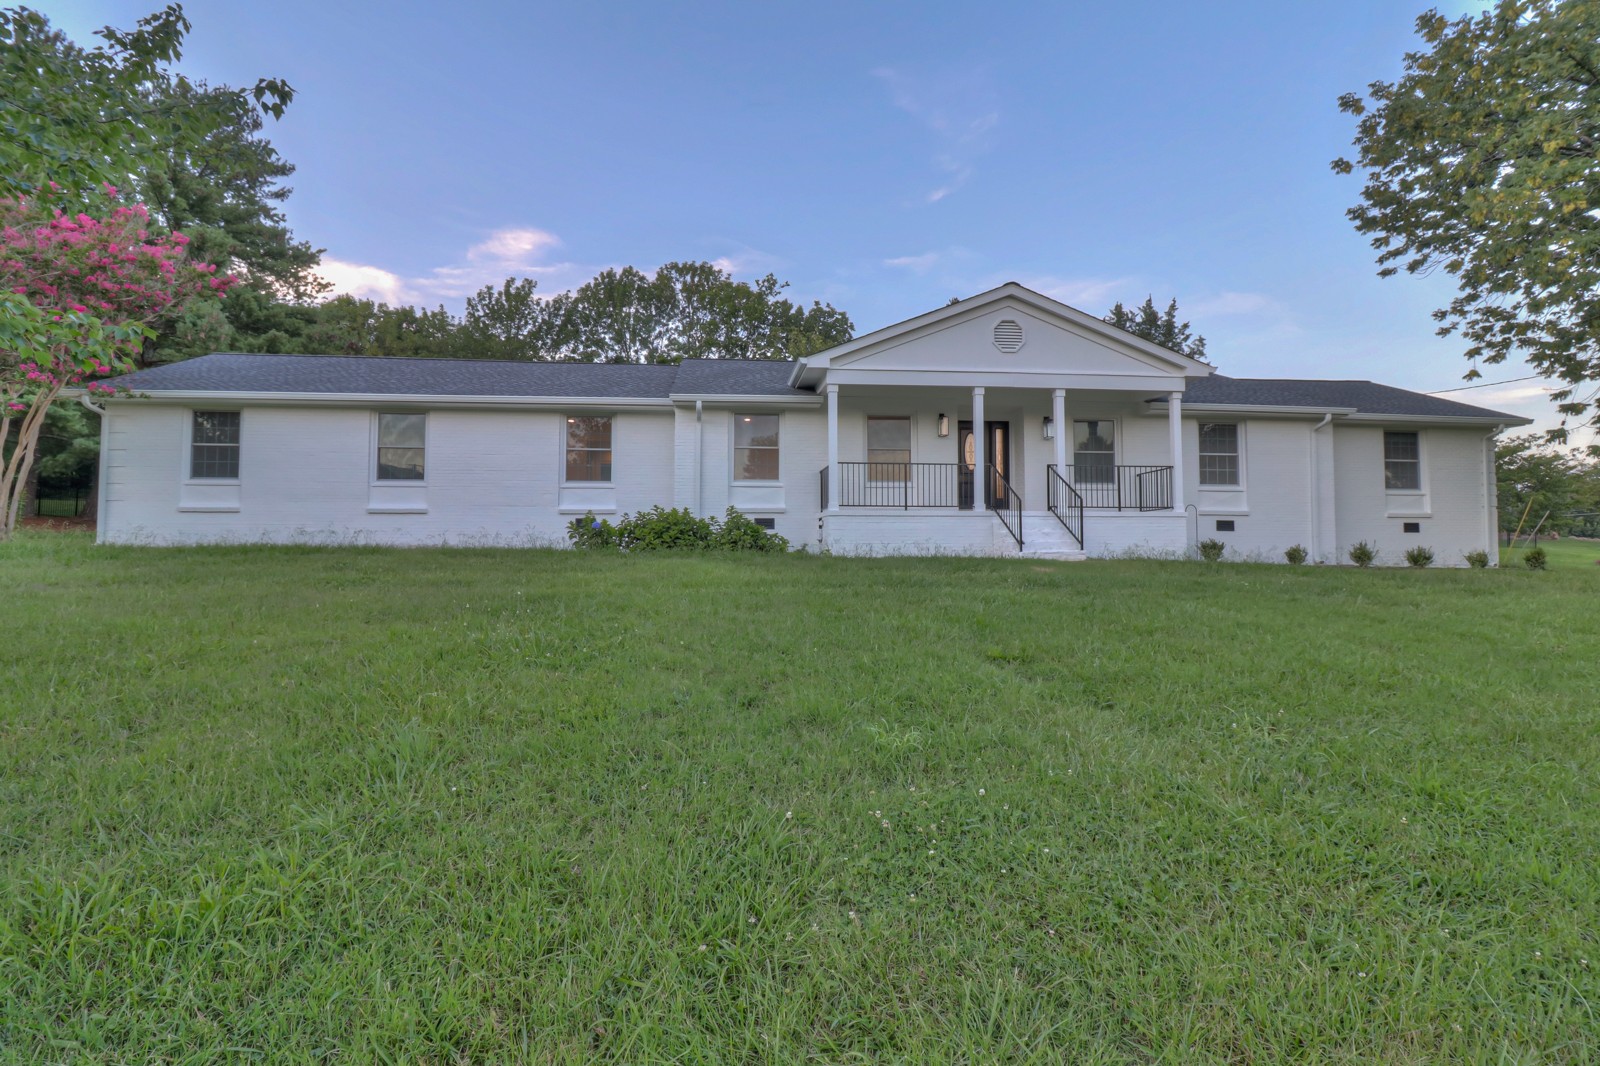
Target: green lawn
<point>1564,554</point>
<point>519,806</point>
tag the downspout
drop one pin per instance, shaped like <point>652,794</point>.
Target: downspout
<point>699,459</point>
<point>1316,491</point>
<point>100,463</point>
<point>1491,497</point>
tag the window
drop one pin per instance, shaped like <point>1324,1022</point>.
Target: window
<point>402,442</point>
<point>755,447</point>
<point>1094,452</point>
<point>589,448</point>
<point>214,445</point>
<point>1402,461</point>
<point>888,449</point>
<point>1219,453</point>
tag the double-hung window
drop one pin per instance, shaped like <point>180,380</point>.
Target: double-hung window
<point>402,446</point>
<point>214,445</point>
<point>888,449</point>
<point>1219,453</point>
<point>589,448</point>
<point>1094,452</point>
<point>1402,461</point>
<point>755,447</point>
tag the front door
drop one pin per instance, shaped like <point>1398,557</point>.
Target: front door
<point>997,455</point>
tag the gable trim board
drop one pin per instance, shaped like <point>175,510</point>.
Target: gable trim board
<point>496,437</point>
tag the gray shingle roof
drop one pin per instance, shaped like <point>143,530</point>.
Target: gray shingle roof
<point>1366,397</point>
<point>392,376</point>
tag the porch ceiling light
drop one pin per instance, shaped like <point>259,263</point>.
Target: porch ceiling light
<point>944,425</point>
<point>1049,428</point>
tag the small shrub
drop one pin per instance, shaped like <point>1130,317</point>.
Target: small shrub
<point>1362,553</point>
<point>1419,557</point>
<point>1535,559</point>
<point>739,533</point>
<point>1211,550</point>
<point>1478,560</point>
<point>663,529</point>
<point>591,532</point>
<point>1295,555</point>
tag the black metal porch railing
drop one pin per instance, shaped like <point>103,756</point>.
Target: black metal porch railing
<point>904,485</point>
<point>1064,502</point>
<point>1006,504</point>
<point>1122,488</point>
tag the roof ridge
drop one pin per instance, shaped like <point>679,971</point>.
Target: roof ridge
<point>442,359</point>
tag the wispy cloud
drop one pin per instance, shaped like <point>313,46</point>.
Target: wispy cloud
<point>518,251</point>
<point>918,264</point>
<point>1233,303</point>
<point>1092,295</point>
<point>958,108</point>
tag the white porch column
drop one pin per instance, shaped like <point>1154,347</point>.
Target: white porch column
<point>980,469</point>
<point>833,447</point>
<point>1058,418</point>
<point>1175,431</point>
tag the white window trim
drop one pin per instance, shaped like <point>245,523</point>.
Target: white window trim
<point>733,449</point>
<point>561,456</point>
<point>866,446</point>
<point>1422,464</point>
<point>373,481</point>
<point>1234,486</point>
<point>186,454</point>
<point>1116,443</point>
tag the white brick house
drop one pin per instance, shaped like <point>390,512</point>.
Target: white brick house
<point>1007,423</point>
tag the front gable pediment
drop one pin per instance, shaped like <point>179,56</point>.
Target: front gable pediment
<point>1010,331</point>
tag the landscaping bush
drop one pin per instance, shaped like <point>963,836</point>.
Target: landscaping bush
<point>1211,550</point>
<point>1535,559</point>
<point>1419,557</point>
<point>739,533</point>
<point>592,532</point>
<point>1362,553</point>
<point>663,528</point>
<point>1295,555</point>
<point>1478,560</point>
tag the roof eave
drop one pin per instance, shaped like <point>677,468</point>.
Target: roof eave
<point>367,399</point>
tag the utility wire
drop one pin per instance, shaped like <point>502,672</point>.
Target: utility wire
<point>1485,385</point>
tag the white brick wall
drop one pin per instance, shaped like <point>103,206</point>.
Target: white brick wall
<point>495,477</point>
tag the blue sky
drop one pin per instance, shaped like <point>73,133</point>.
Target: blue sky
<point>881,157</point>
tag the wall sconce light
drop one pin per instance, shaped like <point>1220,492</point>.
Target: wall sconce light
<point>1049,428</point>
<point>944,425</point>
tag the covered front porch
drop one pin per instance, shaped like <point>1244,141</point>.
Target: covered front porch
<point>996,469</point>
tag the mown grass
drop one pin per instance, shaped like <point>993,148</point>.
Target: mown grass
<point>1564,554</point>
<point>311,805</point>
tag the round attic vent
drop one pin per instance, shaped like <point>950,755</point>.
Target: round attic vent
<point>1008,335</point>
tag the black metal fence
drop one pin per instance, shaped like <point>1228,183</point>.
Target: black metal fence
<point>1122,488</point>
<point>61,499</point>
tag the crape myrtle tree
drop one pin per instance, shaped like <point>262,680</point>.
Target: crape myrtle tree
<point>1159,327</point>
<point>82,292</point>
<point>1483,161</point>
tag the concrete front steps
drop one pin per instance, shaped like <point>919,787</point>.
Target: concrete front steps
<point>1044,537</point>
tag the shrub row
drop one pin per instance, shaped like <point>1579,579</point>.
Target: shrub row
<point>665,529</point>
<point>1364,555</point>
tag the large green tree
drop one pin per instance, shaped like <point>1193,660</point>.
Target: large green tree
<point>80,118</point>
<point>1544,483</point>
<point>1483,161</point>
<point>1159,327</point>
<point>685,310</point>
